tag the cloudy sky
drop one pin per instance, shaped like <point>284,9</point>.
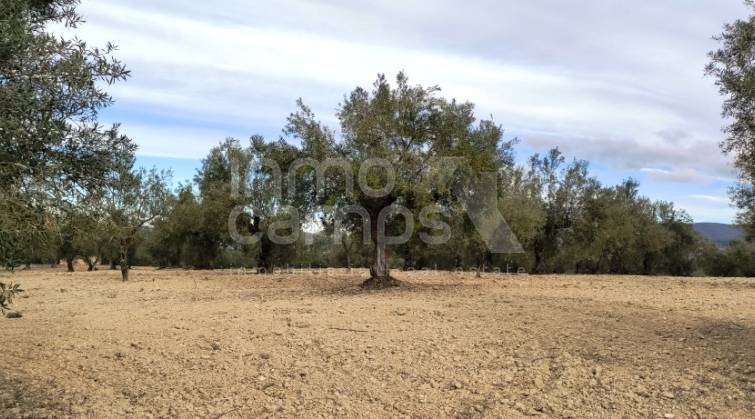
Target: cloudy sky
<point>618,83</point>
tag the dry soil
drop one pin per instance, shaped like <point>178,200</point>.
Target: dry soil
<point>215,344</point>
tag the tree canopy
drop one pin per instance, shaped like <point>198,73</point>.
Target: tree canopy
<point>51,145</point>
<point>441,165</point>
<point>733,68</point>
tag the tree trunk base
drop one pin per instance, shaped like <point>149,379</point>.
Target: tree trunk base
<point>380,283</point>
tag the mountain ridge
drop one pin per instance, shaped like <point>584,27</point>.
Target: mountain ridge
<point>722,235</point>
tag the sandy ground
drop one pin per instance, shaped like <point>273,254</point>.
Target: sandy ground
<point>219,344</point>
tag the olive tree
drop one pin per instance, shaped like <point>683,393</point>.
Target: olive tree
<point>130,200</point>
<point>393,138</point>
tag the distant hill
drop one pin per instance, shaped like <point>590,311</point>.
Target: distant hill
<point>719,234</point>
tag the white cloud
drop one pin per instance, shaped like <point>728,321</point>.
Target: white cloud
<point>614,82</point>
<point>682,176</point>
<point>225,70</point>
<point>712,199</point>
<point>176,141</point>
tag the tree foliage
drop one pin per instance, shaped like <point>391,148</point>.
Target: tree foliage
<point>7,293</point>
<point>733,68</point>
<point>393,137</point>
<point>51,90</point>
<point>131,200</point>
<point>565,219</point>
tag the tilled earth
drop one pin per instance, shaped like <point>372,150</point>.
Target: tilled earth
<point>215,344</point>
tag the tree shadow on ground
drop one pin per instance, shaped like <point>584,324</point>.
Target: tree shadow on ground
<point>732,346</point>
<point>406,287</point>
<point>20,399</point>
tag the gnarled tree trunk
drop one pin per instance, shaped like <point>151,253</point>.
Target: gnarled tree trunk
<point>380,274</point>
<point>264,258</point>
<point>91,263</point>
<point>124,259</point>
<point>346,244</point>
<point>538,249</point>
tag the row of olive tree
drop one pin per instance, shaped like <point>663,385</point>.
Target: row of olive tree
<point>69,188</point>
<point>565,220</point>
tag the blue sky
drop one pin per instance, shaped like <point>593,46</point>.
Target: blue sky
<point>618,83</point>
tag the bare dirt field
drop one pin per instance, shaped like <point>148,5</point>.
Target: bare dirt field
<point>218,344</point>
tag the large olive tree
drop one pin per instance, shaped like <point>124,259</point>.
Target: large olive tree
<point>399,142</point>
